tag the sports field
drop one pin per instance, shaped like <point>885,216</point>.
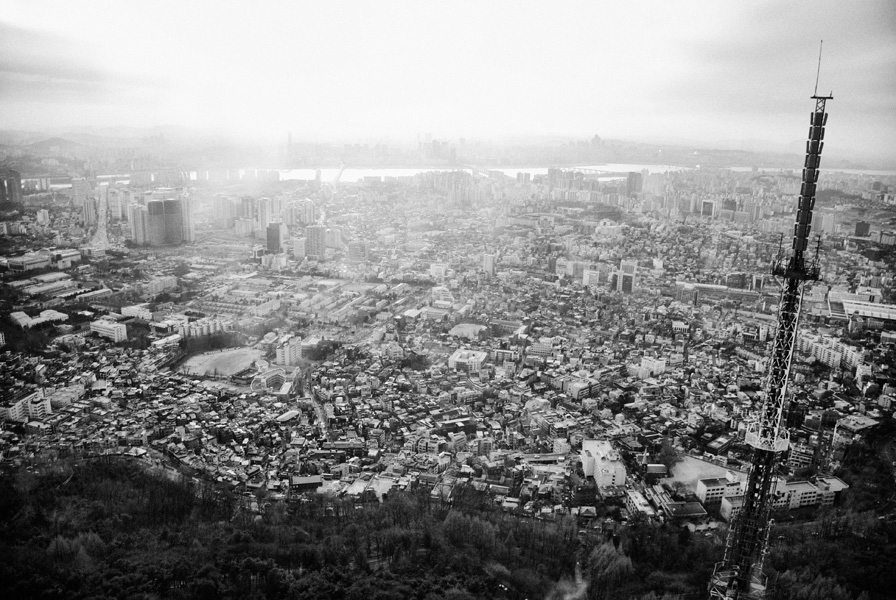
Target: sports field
<point>222,363</point>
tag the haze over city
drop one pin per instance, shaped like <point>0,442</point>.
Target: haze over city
<point>726,74</point>
<point>447,301</point>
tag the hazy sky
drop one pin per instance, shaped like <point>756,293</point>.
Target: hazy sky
<point>709,71</point>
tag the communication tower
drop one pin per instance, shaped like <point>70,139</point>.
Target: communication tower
<point>740,574</point>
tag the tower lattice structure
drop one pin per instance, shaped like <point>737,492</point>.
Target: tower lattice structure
<point>740,574</point>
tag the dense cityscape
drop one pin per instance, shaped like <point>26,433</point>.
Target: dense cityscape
<point>441,367</point>
<point>575,344</point>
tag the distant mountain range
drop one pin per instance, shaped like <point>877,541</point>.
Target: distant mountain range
<point>524,149</point>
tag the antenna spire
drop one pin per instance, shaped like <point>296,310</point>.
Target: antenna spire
<point>818,73</point>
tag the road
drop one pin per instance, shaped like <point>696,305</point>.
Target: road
<point>319,410</point>
<point>100,237</point>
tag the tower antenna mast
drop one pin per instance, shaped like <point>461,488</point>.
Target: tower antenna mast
<point>818,72</point>
<point>740,574</point>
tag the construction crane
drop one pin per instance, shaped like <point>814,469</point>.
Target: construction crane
<point>740,574</point>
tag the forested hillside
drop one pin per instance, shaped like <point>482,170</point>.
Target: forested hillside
<point>111,529</point>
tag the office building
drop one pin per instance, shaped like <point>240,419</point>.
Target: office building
<point>626,277</point>
<point>277,236</point>
<point>165,222</point>
<point>10,187</point>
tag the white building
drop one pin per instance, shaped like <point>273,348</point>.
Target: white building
<point>442,294</point>
<point>438,270</point>
<point>467,360</point>
<point>601,461</point>
<point>160,284</point>
<point>593,278</point>
<point>202,327</point>
<point>138,311</point>
<point>540,349</point>
<point>25,405</point>
<point>289,350</point>
<point>636,503</point>
<point>731,507</point>
<point>794,494</point>
<point>712,491</point>
<point>298,247</point>
<point>654,366</point>
<point>46,316</point>
<point>117,332</point>
<point>29,261</point>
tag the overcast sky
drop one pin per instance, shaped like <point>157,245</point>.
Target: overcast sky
<point>705,72</point>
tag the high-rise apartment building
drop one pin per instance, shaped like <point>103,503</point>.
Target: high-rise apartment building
<point>265,214</point>
<point>315,241</point>
<point>634,183</point>
<point>224,212</point>
<point>307,211</point>
<point>189,231</point>
<point>247,207</point>
<point>83,197</point>
<point>138,216</point>
<point>298,248</point>
<point>81,188</point>
<point>244,227</point>
<point>116,203</point>
<point>488,264</point>
<point>276,205</point>
<point>334,238</point>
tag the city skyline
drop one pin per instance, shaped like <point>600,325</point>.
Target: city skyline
<point>442,370</point>
<point>694,73</point>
